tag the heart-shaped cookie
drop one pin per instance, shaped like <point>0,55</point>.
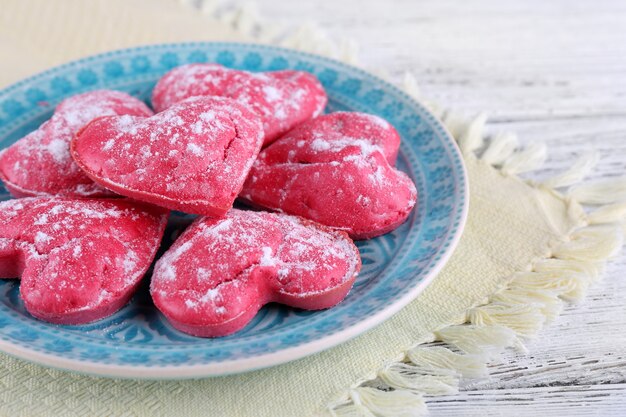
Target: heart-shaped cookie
<point>79,260</point>
<point>281,98</point>
<point>220,272</point>
<point>337,170</point>
<point>192,157</point>
<point>40,162</point>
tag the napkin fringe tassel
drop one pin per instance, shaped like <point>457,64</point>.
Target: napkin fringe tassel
<point>453,356</point>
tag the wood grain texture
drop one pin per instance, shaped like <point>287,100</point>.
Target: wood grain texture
<point>554,72</point>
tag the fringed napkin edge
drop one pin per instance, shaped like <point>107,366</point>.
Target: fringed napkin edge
<point>527,301</point>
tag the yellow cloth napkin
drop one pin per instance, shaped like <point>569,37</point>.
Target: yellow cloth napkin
<point>525,247</point>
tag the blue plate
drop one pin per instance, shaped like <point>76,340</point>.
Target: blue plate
<point>137,341</point>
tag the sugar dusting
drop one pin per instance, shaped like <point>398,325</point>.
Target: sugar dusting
<point>59,151</point>
<point>41,162</point>
<point>293,254</point>
<point>200,150</point>
<point>42,227</point>
<point>195,149</point>
<point>338,170</point>
<point>336,143</point>
<point>267,259</point>
<point>282,99</point>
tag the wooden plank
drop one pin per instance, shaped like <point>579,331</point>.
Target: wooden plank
<point>490,55</point>
<point>578,400</point>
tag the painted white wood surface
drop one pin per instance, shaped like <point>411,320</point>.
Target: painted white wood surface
<point>554,72</point>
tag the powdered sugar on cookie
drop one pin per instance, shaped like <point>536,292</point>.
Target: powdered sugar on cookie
<point>192,157</point>
<point>219,272</point>
<point>336,169</point>
<point>79,260</point>
<point>282,98</point>
<point>40,163</point>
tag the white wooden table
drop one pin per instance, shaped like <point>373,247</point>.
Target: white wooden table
<point>554,72</point>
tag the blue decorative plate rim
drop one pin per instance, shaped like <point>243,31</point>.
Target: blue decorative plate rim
<point>397,266</point>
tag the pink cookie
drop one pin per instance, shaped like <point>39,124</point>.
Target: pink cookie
<point>40,162</point>
<point>281,98</point>
<point>192,157</point>
<point>220,272</point>
<point>79,260</point>
<point>338,170</point>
